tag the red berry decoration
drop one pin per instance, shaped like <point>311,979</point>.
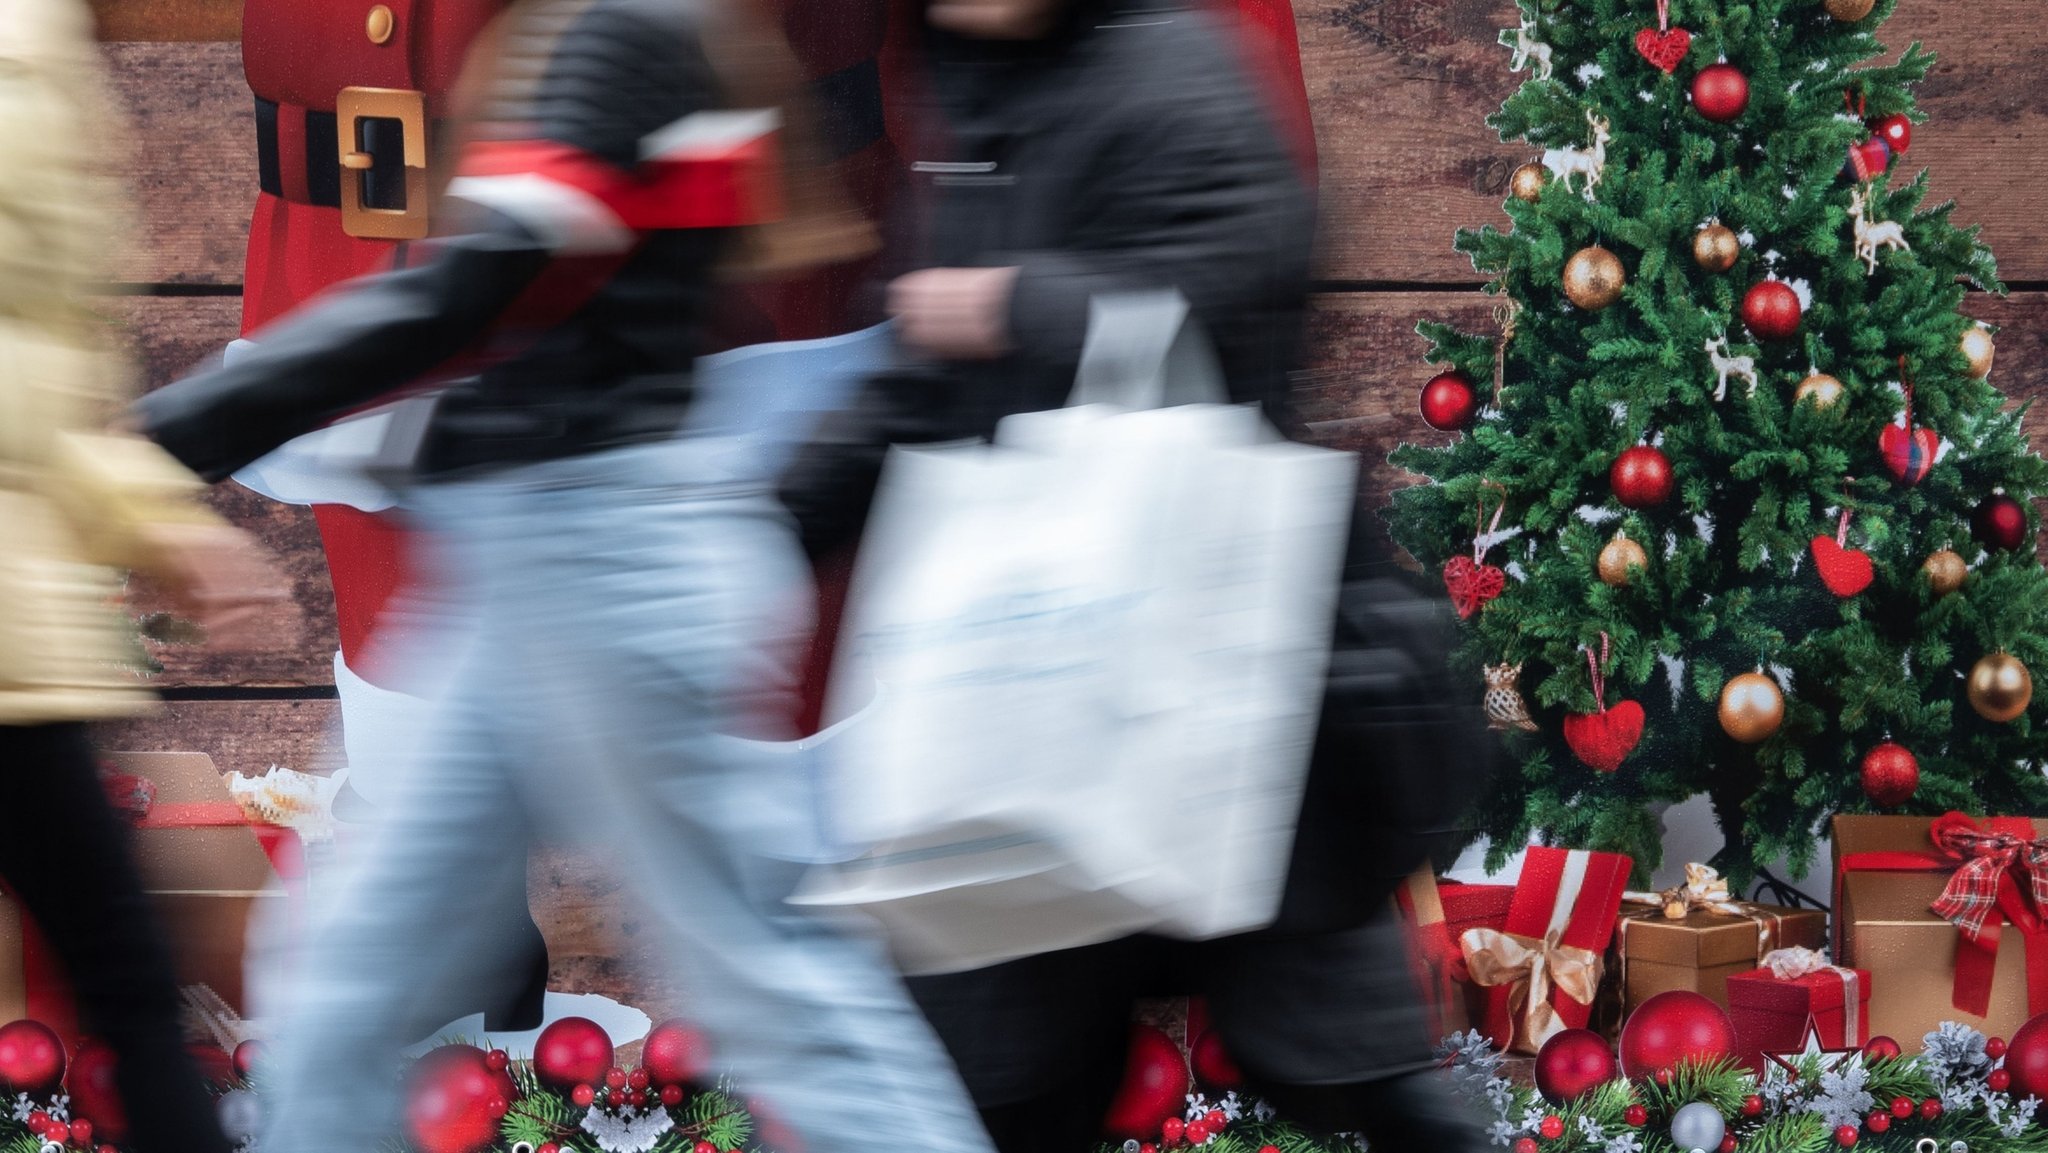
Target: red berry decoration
<point>1217,1120</point>
<point>1845,1136</point>
<point>637,1098</point>
<point>497,1060</point>
<point>448,1100</point>
<point>37,1121</point>
<point>1641,477</point>
<point>615,1078</point>
<point>1902,1107</point>
<point>1155,1085</point>
<point>1263,1149</point>
<point>246,1057</point>
<point>1930,1109</point>
<point>81,1132</point>
<point>1999,523</point>
<point>1891,775</point>
<point>547,1147</point>
<point>1720,92</point>
<point>705,1147</point>
<point>1878,1121</point>
<point>1573,1063</point>
<point>1636,1116</point>
<point>2026,1059</point>
<point>1994,1047</point>
<point>497,1107</point>
<point>1171,1130</point>
<point>1198,1132</point>
<point>616,1098</point>
<point>58,1132</point>
<point>1896,131</point>
<point>1881,1049</point>
<point>1212,1064</point>
<point>1449,402</point>
<point>637,1079</point>
<point>582,1096</point>
<point>1771,310</point>
<point>1662,1077</point>
<point>1673,1027</point>
<point>1552,1127</point>
<point>31,1057</point>
<point>1998,1079</point>
<point>572,1051</point>
<point>90,1081</point>
<point>675,1053</point>
<point>1752,1106</point>
<point>1525,1145</point>
<point>1727,1143</point>
<point>671,1095</point>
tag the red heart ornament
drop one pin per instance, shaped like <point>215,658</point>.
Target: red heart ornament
<point>1846,571</point>
<point>1604,740</point>
<point>1472,584</point>
<point>1909,457</point>
<point>1664,49</point>
<point>1870,158</point>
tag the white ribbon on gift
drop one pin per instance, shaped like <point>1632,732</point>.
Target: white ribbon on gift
<point>1793,963</point>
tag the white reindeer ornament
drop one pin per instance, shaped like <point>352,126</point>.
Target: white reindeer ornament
<point>1873,235</point>
<point>1742,368</point>
<point>1529,52</point>
<point>1589,162</point>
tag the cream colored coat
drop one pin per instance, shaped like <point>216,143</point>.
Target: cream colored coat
<point>73,500</point>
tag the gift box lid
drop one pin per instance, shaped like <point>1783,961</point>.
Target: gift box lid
<point>194,840</point>
<point>1573,892</point>
<point>1703,939</point>
<point>1866,892</point>
<point>1813,993</point>
<point>1466,906</point>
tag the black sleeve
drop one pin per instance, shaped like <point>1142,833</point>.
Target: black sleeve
<point>361,341</point>
<point>830,483</point>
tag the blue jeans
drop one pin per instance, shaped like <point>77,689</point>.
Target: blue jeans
<point>633,619</point>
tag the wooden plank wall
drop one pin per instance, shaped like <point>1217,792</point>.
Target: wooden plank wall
<point>1401,90</point>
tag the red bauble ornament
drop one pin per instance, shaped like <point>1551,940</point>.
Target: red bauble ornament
<point>1752,1106</point>
<point>1552,1127</point>
<point>448,1099</point>
<point>1930,1109</point>
<point>1999,523</point>
<point>1449,402</point>
<point>1846,571</point>
<point>1155,1084</point>
<point>1573,1063</point>
<point>1881,1049</point>
<point>1902,1107</point>
<point>1896,131</point>
<point>1641,477</point>
<point>1878,1121</point>
<point>572,1051</point>
<point>247,1056</point>
<point>1673,1027</point>
<point>1720,92</point>
<point>1845,1135</point>
<point>90,1082</point>
<point>1994,1047</point>
<point>1471,584</point>
<point>1636,1116</point>
<point>2026,1059</point>
<point>1664,49</point>
<point>1908,454</point>
<point>1212,1064</point>
<point>1890,775</point>
<point>675,1053</point>
<point>31,1057</point>
<point>1604,740</point>
<point>1771,310</point>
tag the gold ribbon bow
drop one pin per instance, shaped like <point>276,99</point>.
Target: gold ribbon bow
<point>1704,888</point>
<point>1532,967</point>
<point>1795,962</point>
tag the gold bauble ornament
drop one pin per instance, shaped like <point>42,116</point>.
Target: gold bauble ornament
<point>1715,247</point>
<point>1820,388</point>
<point>1849,11</point>
<point>1528,182</point>
<point>1752,708</point>
<point>1977,349</point>
<point>1616,558</point>
<point>1945,571</point>
<point>1593,278</point>
<point>2000,687</point>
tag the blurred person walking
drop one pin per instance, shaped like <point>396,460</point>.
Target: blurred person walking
<point>75,505</point>
<point>635,594</point>
<point>1077,148</point>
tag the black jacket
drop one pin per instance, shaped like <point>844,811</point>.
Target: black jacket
<point>614,371</point>
<point>1126,151</point>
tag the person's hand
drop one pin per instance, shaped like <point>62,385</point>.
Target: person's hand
<point>954,313</point>
<point>222,580</point>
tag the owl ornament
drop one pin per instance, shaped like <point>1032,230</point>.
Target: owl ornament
<point>1505,708</point>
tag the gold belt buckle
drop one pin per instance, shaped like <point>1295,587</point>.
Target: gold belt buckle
<point>409,108</point>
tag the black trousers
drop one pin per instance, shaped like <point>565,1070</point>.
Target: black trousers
<point>65,854</point>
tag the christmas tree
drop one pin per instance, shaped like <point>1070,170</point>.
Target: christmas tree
<point>1736,509</point>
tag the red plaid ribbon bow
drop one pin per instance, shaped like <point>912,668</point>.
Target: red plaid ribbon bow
<point>1971,896</point>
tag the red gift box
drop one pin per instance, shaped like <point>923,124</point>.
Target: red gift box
<point>1542,969</point>
<point>1770,1012</point>
<point>1436,913</point>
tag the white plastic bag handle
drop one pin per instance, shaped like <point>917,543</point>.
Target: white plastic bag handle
<point>1146,350</point>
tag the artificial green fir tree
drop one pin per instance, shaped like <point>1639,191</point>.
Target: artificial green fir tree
<point>1735,358</point>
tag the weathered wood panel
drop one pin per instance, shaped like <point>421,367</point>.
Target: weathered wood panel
<point>169,335</point>
<point>168,19</point>
<point>1366,372</point>
<point>241,736</point>
<point>1400,89</point>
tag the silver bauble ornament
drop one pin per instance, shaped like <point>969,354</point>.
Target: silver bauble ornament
<point>1698,1128</point>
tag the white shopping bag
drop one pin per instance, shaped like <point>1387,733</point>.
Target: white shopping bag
<point>1095,651</point>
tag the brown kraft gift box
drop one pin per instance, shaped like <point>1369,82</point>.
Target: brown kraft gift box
<point>1699,952</point>
<point>1883,924</point>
